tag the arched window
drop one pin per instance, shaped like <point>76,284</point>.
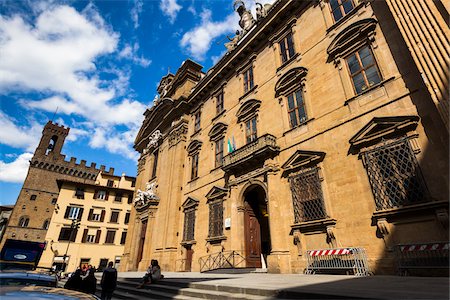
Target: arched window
<point>46,224</point>
<point>23,222</point>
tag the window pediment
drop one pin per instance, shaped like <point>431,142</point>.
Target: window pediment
<point>248,109</point>
<point>190,203</point>
<point>194,147</point>
<point>302,158</point>
<point>383,127</point>
<point>290,81</point>
<point>351,37</point>
<point>217,131</point>
<point>216,193</point>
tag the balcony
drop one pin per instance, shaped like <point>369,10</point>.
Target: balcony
<point>252,153</point>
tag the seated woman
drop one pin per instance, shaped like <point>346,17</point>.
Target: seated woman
<point>153,274</point>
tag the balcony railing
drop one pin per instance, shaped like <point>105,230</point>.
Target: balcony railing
<point>222,260</point>
<point>256,151</point>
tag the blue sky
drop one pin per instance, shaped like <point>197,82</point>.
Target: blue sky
<point>99,62</point>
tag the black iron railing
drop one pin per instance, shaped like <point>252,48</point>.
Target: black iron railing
<point>222,260</point>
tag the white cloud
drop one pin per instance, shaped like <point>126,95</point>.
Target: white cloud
<point>15,171</point>
<point>170,8</point>
<point>115,143</point>
<point>130,52</point>
<point>135,12</point>
<point>24,137</point>
<point>198,40</point>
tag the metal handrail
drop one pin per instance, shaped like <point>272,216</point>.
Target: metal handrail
<point>221,260</point>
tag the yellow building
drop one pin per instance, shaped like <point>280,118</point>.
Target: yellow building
<point>89,224</point>
<point>317,130</point>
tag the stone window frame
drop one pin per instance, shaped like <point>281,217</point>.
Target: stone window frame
<point>217,134</point>
<point>193,150</point>
<point>330,21</point>
<point>240,72</point>
<point>350,40</point>
<point>249,111</point>
<point>110,236</point>
<point>24,221</point>
<point>190,207</point>
<point>340,4</point>
<point>155,155</point>
<point>277,38</point>
<point>215,200</point>
<point>46,224</point>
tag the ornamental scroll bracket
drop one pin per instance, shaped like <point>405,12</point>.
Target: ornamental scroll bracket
<point>153,140</point>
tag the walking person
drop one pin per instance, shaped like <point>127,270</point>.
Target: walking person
<point>74,281</point>
<point>89,283</point>
<point>108,282</point>
<point>153,274</point>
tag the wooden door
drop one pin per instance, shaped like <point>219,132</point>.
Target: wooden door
<point>252,238</point>
<point>188,263</point>
<point>141,242</point>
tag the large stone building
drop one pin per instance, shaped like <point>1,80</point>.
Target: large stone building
<point>324,126</point>
<point>36,202</point>
<point>89,224</point>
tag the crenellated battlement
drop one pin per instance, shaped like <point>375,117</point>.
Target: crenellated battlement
<point>55,128</point>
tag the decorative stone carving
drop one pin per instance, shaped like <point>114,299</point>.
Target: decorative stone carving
<point>331,238</point>
<point>382,226</point>
<point>442,217</point>
<point>144,197</point>
<point>262,10</point>
<point>247,21</point>
<point>297,242</point>
<point>177,135</point>
<point>231,45</point>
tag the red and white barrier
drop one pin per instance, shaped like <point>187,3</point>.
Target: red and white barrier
<point>341,251</point>
<point>425,247</point>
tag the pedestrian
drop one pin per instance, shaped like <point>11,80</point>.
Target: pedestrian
<point>109,281</point>
<point>153,274</point>
<point>89,283</point>
<point>74,281</point>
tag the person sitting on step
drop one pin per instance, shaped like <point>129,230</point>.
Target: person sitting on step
<point>153,274</point>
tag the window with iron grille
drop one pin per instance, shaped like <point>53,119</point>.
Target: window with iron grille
<point>307,196</point>
<point>394,175</point>
<point>296,108</point>
<point>340,8</point>
<point>219,102</point>
<point>363,69</point>
<point>189,224</point>
<point>215,218</point>
<point>287,48</point>
<point>248,79</point>
<point>250,130</point>
<point>219,152</point>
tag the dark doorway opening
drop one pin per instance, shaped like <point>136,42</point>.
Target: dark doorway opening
<point>188,262</point>
<point>141,242</point>
<point>256,221</point>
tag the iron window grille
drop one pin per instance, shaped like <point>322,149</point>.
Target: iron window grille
<point>215,218</point>
<point>340,8</point>
<point>307,196</point>
<point>287,48</point>
<point>189,225</point>
<point>296,108</point>
<point>394,175</point>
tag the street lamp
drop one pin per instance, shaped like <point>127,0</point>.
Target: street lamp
<point>75,225</point>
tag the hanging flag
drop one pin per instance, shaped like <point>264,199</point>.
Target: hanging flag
<point>234,144</point>
<point>230,147</point>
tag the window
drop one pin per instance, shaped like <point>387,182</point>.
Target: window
<point>248,79</point>
<point>194,168</point>
<point>250,130</point>
<point>219,102</point>
<point>101,195</point>
<point>394,175</point>
<point>54,200</point>
<point>155,163</point>
<point>90,238</point>
<point>197,121</point>
<point>130,199</point>
<point>287,48</point>
<point>133,183</point>
<point>79,193</point>
<point>67,234</point>
<point>127,218</point>
<point>73,212</point>
<point>363,69</point>
<point>296,108</point>
<point>46,224</point>
<point>110,235</point>
<point>123,238</point>
<point>33,197</point>
<point>118,197</point>
<point>189,223</point>
<point>307,195</point>
<point>340,8</point>
<point>114,217</point>
<point>96,215</point>
<point>23,222</point>
<point>215,218</point>
<point>219,152</point>
<point>110,183</point>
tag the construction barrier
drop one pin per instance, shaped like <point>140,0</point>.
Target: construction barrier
<point>348,260</point>
<point>422,256</point>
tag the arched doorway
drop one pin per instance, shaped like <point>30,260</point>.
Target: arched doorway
<point>256,226</point>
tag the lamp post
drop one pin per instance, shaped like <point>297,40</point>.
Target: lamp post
<point>75,225</point>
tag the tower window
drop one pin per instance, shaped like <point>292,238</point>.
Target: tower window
<point>23,222</point>
<point>51,144</point>
<point>33,197</point>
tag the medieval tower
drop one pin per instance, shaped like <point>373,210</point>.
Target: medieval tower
<point>37,199</point>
